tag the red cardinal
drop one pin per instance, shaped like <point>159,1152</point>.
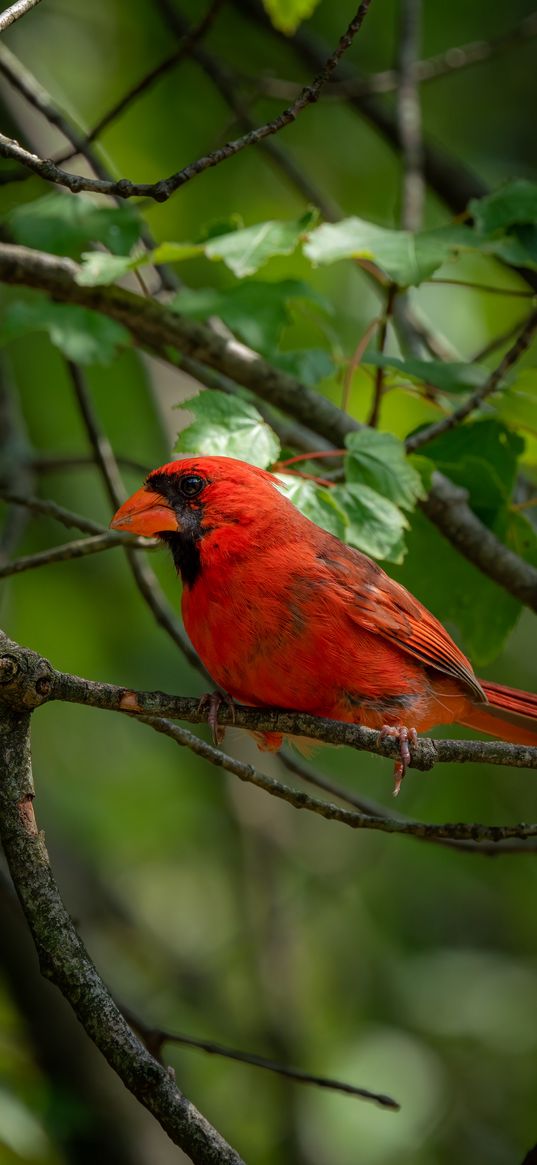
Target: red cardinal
<point>285,615</point>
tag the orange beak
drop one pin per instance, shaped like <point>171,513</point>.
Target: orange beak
<point>146,513</point>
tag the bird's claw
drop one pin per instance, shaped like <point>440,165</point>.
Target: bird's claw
<point>405,737</point>
<point>211,702</point>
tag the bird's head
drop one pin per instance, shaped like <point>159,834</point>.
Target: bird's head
<point>187,501</point>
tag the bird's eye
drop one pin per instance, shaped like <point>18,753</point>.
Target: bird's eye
<point>191,485</point>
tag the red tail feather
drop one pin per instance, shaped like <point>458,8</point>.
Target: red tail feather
<point>510,714</point>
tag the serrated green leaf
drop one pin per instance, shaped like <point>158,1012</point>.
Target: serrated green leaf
<point>379,461</point>
<point>375,525</point>
<point>64,224</point>
<point>244,252</point>
<point>286,15</point>
<point>83,336</point>
<point>405,257</point>
<point>315,502</point>
<point>227,426</point>
<point>450,378</point>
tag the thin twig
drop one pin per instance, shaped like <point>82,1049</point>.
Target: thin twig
<point>443,64</point>
<point>306,772</point>
<point>144,577</point>
<point>161,190</point>
<point>155,1038</point>
<point>79,549</point>
<point>226,84</point>
<point>374,415</point>
<point>356,360</point>
<point>190,37</point>
<point>516,292</point>
<point>53,510</point>
<point>15,11</point>
<point>409,115</point>
<point>476,398</point>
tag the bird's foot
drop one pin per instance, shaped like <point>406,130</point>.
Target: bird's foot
<point>405,737</point>
<point>212,702</point>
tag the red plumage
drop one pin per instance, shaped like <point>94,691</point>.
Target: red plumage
<point>284,614</point>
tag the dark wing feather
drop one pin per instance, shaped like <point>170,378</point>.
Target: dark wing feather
<point>378,604</point>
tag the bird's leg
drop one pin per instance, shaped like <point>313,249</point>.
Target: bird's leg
<point>212,701</point>
<point>403,736</point>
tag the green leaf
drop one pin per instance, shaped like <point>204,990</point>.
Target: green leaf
<point>450,378</point>
<point>482,457</point>
<point>256,311</point>
<point>405,257</point>
<point>464,599</point>
<point>316,503</point>
<point>97,268</point>
<point>513,204</point>
<point>84,336</point>
<point>309,365</point>
<point>375,525</point>
<point>174,252</point>
<point>517,406</point>
<point>379,461</point>
<point>229,427</point>
<point>288,14</point>
<point>244,252</point>
<point>507,218</point>
<point>64,224</point>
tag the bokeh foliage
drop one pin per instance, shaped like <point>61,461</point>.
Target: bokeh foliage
<point>405,967</point>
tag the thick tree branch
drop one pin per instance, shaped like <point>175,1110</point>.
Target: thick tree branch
<point>65,961</point>
<point>27,680</point>
<point>15,11</point>
<point>165,187</point>
<point>155,326</point>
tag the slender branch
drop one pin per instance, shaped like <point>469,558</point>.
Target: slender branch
<point>452,830</point>
<point>189,39</point>
<point>27,678</point>
<point>154,326</point>
<point>374,415</point>
<point>52,462</point>
<point>513,354</point>
<point>52,510</point>
<point>409,115</point>
<point>15,11</point>
<point>161,190</point>
<point>226,85</point>
<point>443,64</point>
<point>155,1038</point>
<point>79,549</point>
<point>64,960</point>
<point>144,577</point>
<point>306,772</point>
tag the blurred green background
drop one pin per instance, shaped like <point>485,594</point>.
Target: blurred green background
<point>208,907</point>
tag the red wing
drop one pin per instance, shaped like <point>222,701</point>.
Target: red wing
<point>380,605</point>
